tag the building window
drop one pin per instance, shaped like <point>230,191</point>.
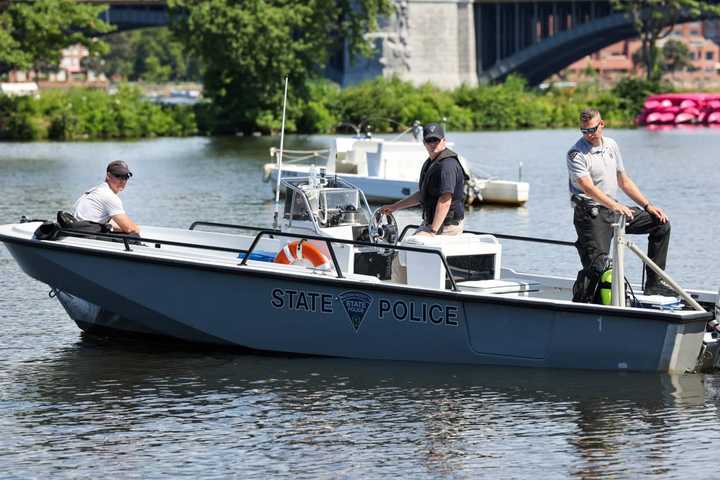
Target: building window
<point>709,55</point>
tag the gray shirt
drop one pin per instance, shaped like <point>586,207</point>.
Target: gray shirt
<point>601,163</point>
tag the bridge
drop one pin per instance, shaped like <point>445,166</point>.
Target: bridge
<point>133,14</point>
<point>449,42</point>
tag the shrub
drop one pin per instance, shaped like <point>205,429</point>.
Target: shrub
<point>79,114</point>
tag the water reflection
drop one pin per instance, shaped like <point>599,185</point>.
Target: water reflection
<point>451,419</point>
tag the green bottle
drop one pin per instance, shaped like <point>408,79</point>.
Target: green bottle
<point>605,287</point>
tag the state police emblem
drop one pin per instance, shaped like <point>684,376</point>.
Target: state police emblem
<point>356,305</point>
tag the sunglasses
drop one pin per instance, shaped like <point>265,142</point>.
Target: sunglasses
<point>432,141</point>
<point>121,177</point>
<point>591,129</point>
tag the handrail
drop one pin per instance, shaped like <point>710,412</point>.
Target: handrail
<point>128,239</point>
<point>329,241</point>
<point>224,225</point>
<point>502,235</point>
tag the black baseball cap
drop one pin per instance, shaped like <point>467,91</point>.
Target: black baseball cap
<point>119,168</point>
<point>433,130</point>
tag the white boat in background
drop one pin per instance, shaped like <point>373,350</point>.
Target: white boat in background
<point>388,170</point>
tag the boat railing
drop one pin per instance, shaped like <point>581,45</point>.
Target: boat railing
<point>499,235</point>
<point>330,240</point>
<point>296,156</point>
<point>619,242</point>
<point>129,240</point>
<point>201,223</point>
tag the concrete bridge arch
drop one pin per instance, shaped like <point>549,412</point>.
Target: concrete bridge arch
<point>450,42</point>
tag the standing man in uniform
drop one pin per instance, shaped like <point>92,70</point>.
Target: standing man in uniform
<point>101,204</point>
<point>596,170</point>
<point>441,189</point>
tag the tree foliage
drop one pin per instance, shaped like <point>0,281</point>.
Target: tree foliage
<point>152,55</point>
<point>249,47</point>
<point>80,114</point>
<point>675,56</point>
<point>33,34</point>
<point>655,19</point>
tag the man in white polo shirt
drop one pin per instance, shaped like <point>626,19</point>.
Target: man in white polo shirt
<point>101,204</point>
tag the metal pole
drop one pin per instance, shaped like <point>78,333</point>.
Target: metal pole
<point>618,277</point>
<point>498,36</point>
<point>678,289</point>
<point>279,159</point>
<point>517,28</point>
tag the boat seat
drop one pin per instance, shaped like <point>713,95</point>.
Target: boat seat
<point>500,287</point>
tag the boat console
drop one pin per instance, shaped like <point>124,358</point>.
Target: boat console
<point>326,206</point>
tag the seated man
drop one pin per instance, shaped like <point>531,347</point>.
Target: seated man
<point>101,204</point>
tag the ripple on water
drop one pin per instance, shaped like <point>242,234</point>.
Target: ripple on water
<point>85,407</point>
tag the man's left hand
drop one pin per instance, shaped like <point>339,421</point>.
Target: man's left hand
<point>658,212</point>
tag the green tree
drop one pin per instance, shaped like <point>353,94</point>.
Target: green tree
<point>675,55</point>
<point>248,47</point>
<point>655,19</point>
<point>33,34</point>
<point>152,54</point>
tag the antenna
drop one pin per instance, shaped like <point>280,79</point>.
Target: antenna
<point>279,159</point>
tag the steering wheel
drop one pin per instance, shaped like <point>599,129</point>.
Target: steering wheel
<point>387,231</point>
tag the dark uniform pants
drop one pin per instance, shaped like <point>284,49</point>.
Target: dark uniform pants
<point>594,229</point>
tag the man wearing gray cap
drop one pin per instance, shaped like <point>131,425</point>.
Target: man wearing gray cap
<point>441,189</point>
<point>101,204</point>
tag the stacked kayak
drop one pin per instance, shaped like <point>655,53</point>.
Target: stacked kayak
<point>681,109</point>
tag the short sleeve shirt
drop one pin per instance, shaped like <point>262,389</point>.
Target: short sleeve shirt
<point>99,204</point>
<point>601,163</point>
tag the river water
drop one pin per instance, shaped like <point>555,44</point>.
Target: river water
<point>77,406</point>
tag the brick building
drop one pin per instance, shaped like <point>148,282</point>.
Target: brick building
<point>616,60</point>
<point>70,70</point>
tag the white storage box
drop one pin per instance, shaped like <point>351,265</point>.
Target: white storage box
<point>500,287</point>
<point>427,270</point>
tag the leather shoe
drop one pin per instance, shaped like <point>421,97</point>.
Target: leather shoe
<point>660,288</point>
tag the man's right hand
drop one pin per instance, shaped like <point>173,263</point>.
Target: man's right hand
<point>387,209</point>
<point>124,224</point>
<point>623,210</point>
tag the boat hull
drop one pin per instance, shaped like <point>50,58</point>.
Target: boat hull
<point>322,315</point>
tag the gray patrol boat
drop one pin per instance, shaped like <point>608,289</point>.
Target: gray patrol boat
<point>334,279</point>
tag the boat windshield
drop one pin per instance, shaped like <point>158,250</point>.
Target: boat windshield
<point>328,203</point>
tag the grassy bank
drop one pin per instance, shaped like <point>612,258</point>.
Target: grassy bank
<point>386,105</point>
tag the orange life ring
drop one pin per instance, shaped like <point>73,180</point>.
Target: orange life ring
<point>302,253</point>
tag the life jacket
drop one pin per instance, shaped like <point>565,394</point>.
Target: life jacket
<point>428,168</point>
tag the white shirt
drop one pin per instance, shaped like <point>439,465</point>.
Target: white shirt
<point>98,204</point>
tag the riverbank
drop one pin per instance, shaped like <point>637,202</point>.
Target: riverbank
<point>380,105</point>
<point>92,114</point>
